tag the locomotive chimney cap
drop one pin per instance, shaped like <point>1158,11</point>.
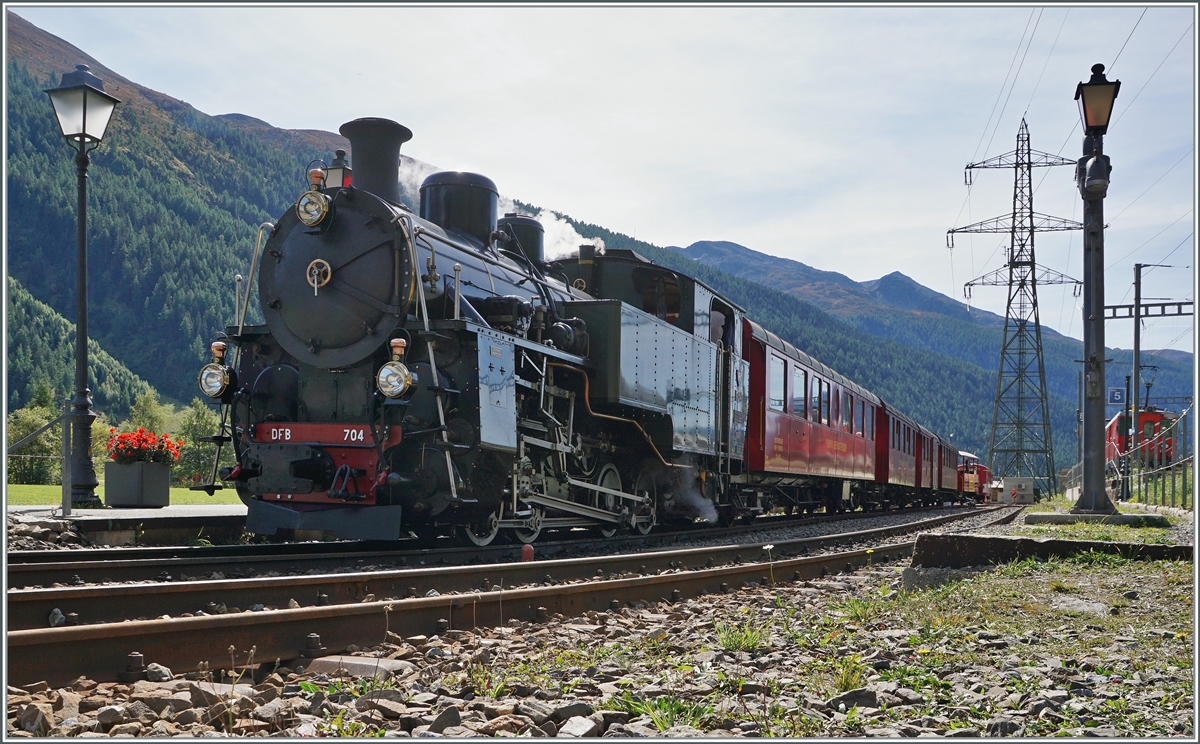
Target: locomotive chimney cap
<point>376,125</point>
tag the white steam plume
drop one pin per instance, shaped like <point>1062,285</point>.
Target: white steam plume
<point>562,240</point>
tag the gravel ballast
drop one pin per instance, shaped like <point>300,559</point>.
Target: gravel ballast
<point>1090,645</point>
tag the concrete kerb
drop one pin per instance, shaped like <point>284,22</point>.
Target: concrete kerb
<point>1173,511</point>
<point>963,550</point>
<point>1127,520</point>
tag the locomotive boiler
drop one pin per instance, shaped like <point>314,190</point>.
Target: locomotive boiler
<point>430,371</point>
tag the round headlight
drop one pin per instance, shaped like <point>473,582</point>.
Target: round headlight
<point>394,379</point>
<point>213,379</point>
<point>312,207</point>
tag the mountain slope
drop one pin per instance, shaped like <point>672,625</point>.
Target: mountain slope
<point>41,345</point>
<point>897,308</point>
<point>175,196</point>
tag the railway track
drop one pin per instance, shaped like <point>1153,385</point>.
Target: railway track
<point>567,586</point>
<point>42,568</point>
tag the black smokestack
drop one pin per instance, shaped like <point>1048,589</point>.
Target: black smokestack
<point>375,147</point>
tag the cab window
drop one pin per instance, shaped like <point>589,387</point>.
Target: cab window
<point>775,396</point>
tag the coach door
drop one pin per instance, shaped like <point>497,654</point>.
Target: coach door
<point>733,374</point>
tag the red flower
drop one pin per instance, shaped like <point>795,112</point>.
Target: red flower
<point>142,446</point>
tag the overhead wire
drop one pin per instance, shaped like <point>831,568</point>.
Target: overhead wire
<point>1014,82</point>
<point>1047,62</point>
<point>1156,69</point>
<point>1164,175</point>
<point>1143,245</point>
<point>1011,88</point>
<point>1127,38</point>
<point>1110,71</point>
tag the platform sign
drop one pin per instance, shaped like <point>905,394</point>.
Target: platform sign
<point>1116,396</point>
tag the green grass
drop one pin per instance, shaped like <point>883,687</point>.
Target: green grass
<point>19,495</point>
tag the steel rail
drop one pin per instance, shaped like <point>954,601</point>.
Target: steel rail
<point>59,655</point>
<point>45,568</point>
<point>30,608</point>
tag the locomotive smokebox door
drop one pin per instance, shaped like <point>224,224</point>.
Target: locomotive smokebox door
<point>497,393</point>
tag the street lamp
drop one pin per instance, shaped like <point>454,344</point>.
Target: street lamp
<point>83,110</point>
<point>1095,99</point>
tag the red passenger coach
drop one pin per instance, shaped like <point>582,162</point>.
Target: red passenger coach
<point>947,469</point>
<point>809,428</point>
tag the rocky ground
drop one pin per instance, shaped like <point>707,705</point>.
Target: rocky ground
<point>1095,645</point>
<point>43,533</point>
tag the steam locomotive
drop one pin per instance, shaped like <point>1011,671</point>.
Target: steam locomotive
<point>419,372</point>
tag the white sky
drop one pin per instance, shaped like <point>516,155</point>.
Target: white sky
<point>835,136</point>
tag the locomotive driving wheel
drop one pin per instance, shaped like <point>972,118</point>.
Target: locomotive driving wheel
<point>645,485</point>
<point>481,533</point>
<point>528,534</point>
<point>608,478</point>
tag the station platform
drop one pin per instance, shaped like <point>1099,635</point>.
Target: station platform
<point>168,525</point>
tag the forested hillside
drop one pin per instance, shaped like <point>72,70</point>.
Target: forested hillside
<point>41,347</point>
<point>900,309</point>
<point>174,198</point>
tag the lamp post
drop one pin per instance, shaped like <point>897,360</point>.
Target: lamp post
<point>83,110</point>
<point>1095,99</point>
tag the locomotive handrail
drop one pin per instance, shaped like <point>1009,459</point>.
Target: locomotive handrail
<point>588,406</point>
<point>403,222</point>
<point>253,267</point>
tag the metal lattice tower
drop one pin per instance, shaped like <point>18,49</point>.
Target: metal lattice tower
<point>1021,443</point>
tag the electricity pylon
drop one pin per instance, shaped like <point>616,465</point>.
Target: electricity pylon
<point>1021,442</point>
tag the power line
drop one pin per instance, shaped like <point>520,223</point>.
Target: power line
<point>1164,258</point>
<point>1156,69</point>
<point>1110,71</point>
<point>1164,175</point>
<point>1160,232</point>
<point>1014,82</point>
<point>1002,86</point>
<point>1047,62</point>
<point>1127,38</point>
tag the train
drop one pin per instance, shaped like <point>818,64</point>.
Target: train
<point>431,371</point>
<point>1156,438</point>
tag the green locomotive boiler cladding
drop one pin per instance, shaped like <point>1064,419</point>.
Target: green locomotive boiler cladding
<point>418,371</point>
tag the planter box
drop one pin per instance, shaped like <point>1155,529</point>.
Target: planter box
<point>137,484</point>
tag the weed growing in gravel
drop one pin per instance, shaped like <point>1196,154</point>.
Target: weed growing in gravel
<point>664,711</point>
<point>858,610</point>
<point>914,678</point>
<point>741,636</point>
<point>849,673</point>
<point>336,726</point>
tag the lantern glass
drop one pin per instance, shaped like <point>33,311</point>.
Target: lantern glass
<point>98,112</point>
<point>82,111</point>
<point>1096,105</point>
<point>69,107</point>
<point>337,177</point>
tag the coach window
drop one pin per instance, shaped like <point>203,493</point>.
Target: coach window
<point>799,390</point>
<point>776,397</point>
<point>814,400</point>
<point>869,423</point>
<point>848,412</point>
<point>825,403</point>
<point>858,419</point>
